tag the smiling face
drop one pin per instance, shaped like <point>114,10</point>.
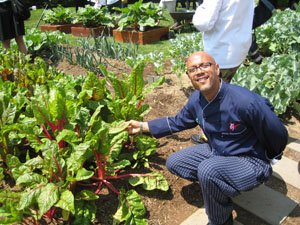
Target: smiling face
<point>204,74</point>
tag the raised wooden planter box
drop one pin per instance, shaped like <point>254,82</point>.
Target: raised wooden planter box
<point>146,37</point>
<point>65,28</point>
<point>90,31</point>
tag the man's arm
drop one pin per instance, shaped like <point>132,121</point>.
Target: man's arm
<point>269,129</point>
<point>207,14</point>
<point>168,125</point>
<point>164,126</point>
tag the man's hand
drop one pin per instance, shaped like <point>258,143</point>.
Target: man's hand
<point>136,127</point>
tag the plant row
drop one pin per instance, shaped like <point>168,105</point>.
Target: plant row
<point>134,16</point>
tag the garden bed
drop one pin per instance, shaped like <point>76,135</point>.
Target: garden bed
<point>141,37</point>
<point>184,197</point>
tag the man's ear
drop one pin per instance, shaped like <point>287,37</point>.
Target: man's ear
<point>218,70</point>
<point>188,75</point>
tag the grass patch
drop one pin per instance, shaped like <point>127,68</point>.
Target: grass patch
<point>34,19</point>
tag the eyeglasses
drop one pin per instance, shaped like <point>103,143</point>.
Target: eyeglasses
<point>202,66</point>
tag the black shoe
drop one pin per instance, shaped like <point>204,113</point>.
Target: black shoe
<point>254,53</point>
<point>256,57</point>
<point>198,139</point>
<point>229,221</point>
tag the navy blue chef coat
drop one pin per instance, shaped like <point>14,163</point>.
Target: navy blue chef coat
<point>236,122</point>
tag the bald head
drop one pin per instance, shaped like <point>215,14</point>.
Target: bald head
<point>203,56</point>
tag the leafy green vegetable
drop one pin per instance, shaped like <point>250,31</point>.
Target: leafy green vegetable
<point>74,135</point>
<point>151,181</point>
<point>277,79</point>
<point>130,210</point>
<point>58,15</point>
<point>94,17</point>
<point>281,33</point>
<point>140,15</point>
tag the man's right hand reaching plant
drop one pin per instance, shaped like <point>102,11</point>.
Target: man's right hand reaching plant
<point>136,127</point>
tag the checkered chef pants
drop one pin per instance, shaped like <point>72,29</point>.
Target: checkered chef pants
<point>220,177</point>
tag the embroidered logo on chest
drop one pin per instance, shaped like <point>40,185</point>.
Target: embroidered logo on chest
<point>233,126</point>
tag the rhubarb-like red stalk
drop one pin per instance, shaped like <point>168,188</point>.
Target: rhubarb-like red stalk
<point>47,134</point>
<point>58,167</point>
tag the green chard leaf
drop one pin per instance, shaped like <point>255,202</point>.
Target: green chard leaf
<point>131,210</point>
<point>66,201</point>
<point>48,197</point>
<point>150,181</point>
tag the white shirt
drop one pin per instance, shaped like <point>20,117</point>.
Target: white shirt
<point>99,3</point>
<point>170,5</point>
<point>4,1</point>
<point>227,29</point>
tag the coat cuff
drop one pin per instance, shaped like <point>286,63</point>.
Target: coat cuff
<point>159,127</point>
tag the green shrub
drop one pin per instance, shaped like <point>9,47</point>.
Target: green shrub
<point>281,34</point>
<point>59,15</point>
<point>94,17</point>
<point>277,79</point>
<point>139,15</point>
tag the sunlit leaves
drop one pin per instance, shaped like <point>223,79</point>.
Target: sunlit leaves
<point>151,181</point>
<point>131,209</point>
<point>281,33</point>
<point>276,79</point>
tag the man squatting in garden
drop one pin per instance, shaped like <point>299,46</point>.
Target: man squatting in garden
<point>239,124</point>
<point>226,27</point>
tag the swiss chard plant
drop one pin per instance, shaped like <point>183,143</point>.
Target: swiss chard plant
<point>126,102</point>
<point>11,107</point>
<point>74,140</point>
<point>48,179</point>
<point>56,133</point>
<point>23,71</point>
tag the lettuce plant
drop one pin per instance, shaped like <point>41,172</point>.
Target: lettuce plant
<point>94,17</point>
<point>140,15</point>
<point>39,42</point>
<point>59,15</point>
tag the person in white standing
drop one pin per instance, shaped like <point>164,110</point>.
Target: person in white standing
<point>227,28</point>
<point>109,3</point>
